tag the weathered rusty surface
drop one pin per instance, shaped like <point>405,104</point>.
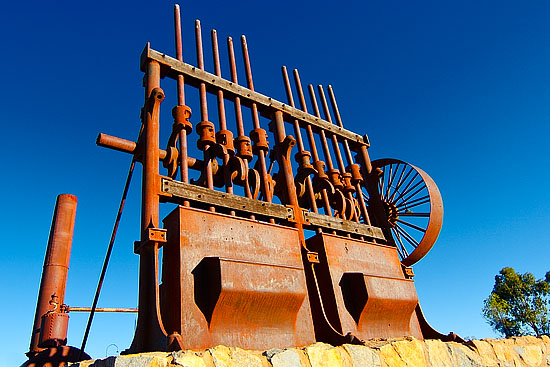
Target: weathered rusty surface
<point>363,290</point>
<point>200,195</point>
<point>51,294</point>
<point>150,334</point>
<point>260,252</point>
<point>49,335</point>
<point>237,250</point>
<point>402,200</point>
<point>233,281</point>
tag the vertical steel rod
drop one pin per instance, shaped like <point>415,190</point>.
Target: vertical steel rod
<point>299,140</point>
<point>184,170</point>
<point>311,138</point>
<point>204,105</point>
<point>150,334</point>
<point>324,144</point>
<point>336,148</point>
<point>348,155</point>
<point>238,111</point>
<point>256,121</point>
<point>221,111</point>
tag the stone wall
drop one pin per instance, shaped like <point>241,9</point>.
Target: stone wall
<point>514,352</point>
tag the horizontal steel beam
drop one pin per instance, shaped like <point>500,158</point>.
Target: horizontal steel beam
<point>194,76</point>
<point>207,196</point>
<point>337,224</point>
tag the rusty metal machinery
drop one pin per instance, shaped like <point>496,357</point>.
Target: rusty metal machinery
<point>282,236</point>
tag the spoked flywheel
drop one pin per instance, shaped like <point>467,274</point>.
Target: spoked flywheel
<point>412,207</point>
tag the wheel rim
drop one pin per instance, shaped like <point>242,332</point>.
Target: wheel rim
<point>412,206</point>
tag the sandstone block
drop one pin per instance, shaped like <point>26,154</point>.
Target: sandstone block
<point>438,353</point>
<point>389,357</point>
<point>325,355</point>
<point>362,356</point>
<point>288,358</point>
<point>411,352</point>
<point>486,352</point>
<point>463,356</point>
<point>504,350</point>
<point>188,359</point>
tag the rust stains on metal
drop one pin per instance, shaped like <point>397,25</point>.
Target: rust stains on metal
<point>260,252</point>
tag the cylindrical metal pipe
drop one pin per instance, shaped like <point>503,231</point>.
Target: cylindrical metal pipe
<point>56,263</point>
<point>127,146</point>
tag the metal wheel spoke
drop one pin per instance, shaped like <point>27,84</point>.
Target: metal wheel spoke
<point>399,182</point>
<point>407,191</point>
<point>404,200</point>
<point>420,215</point>
<point>407,236</point>
<point>392,177</point>
<point>411,208</point>
<point>408,205</point>
<point>400,248</point>
<point>412,225</point>
<point>381,183</point>
<point>405,204</point>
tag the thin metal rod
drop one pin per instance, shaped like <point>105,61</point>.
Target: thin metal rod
<point>200,64</point>
<point>336,149</point>
<point>335,146</point>
<point>401,248</point>
<point>392,177</point>
<point>221,110</point>
<point>347,150</point>
<point>256,121</point>
<point>234,79</point>
<point>290,99</point>
<point>184,170</point>
<point>412,225</point>
<point>324,143</point>
<point>238,109</point>
<point>203,105</point>
<point>108,255</point>
<point>309,185</point>
<point>218,72</point>
<point>311,138</point>
<point>400,182</point>
<point>103,309</point>
<point>407,236</point>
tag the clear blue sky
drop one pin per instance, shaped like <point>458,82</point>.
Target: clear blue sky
<point>458,88</point>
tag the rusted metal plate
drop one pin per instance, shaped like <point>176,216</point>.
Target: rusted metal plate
<point>371,297</point>
<point>244,300</point>
<point>379,305</point>
<point>233,281</point>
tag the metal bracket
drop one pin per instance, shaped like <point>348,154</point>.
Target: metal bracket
<point>154,235</point>
<point>408,271</point>
<point>313,257</point>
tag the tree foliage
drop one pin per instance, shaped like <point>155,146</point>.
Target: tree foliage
<point>519,304</point>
